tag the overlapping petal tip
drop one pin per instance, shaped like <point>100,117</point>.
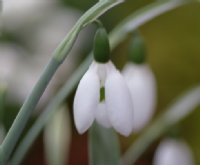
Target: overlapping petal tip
<point>142,86</point>
<point>102,115</point>
<point>118,102</point>
<point>86,100</point>
<point>174,153</point>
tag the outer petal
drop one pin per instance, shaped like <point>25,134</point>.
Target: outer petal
<point>86,100</point>
<point>102,115</point>
<point>118,102</point>
<point>171,152</point>
<point>57,137</point>
<point>142,86</point>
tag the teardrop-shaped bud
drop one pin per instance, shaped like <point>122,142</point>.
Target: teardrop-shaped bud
<point>101,48</point>
<point>137,50</point>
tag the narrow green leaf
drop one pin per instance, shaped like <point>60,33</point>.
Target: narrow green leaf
<point>142,16</point>
<point>183,106</point>
<point>48,113</point>
<point>103,146</point>
<point>3,90</point>
<point>117,36</point>
<point>58,57</point>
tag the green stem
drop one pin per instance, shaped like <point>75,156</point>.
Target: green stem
<point>3,90</point>
<point>103,145</point>
<point>48,113</point>
<point>58,57</point>
<point>116,37</point>
<point>26,110</point>
<point>142,16</point>
<point>174,114</point>
<point>91,15</point>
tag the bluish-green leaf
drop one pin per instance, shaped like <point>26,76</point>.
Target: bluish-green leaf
<point>103,146</point>
<point>3,91</point>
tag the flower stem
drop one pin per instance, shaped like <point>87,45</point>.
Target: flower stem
<point>142,16</point>
<point>48,113</point>
<point>58,57</point>
<point>26,110</point>
<point>3,90</point>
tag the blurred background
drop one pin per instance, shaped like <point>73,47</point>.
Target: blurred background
<point>31,30</point>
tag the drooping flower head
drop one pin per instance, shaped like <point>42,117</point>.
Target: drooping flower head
<point>102,93</point>
<point>173,152</point>
<point>141,83</point>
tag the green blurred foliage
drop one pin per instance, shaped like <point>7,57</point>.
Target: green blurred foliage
<point>173,53</point>
<point>173,48</point>
<point>173,44</point>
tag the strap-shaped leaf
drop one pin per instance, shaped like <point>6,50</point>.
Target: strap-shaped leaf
<point>103,146</point>
<point>183,106</point>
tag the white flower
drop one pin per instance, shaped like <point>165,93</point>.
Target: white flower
<point>142,86</point>
<point>115,110</point>
<point>172,152</point>
<point>57,137</point>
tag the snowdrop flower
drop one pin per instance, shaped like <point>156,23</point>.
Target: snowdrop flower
<point>173,152</point>
<point>142,86</point>
<point>102,93</point>
<point>57,137</point>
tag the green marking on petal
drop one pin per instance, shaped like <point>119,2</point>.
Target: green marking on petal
<point>102,94</point>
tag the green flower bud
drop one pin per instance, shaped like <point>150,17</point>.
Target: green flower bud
<point>137,50</point>
<point>101,48</point>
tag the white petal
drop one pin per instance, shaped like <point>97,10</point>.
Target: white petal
<point>118,102</point>
<point>142,86</point>
<point>171,152</point>
<point>102,115</point>
<point>86,100</point>
<point>57,137</point>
